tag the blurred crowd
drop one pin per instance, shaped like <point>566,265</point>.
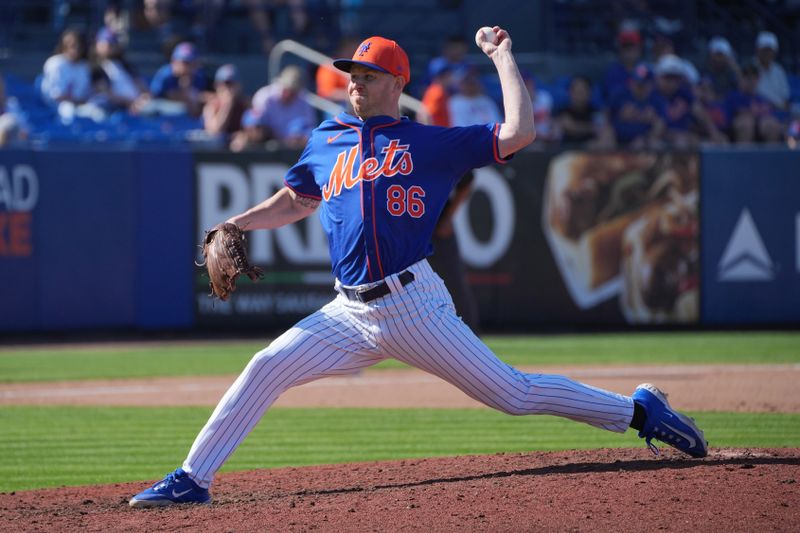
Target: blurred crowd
<point>641,102</point>
<point>96,82</point>
<point>644,100</point>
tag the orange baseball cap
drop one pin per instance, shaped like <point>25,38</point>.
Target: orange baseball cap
<point>380,54</point>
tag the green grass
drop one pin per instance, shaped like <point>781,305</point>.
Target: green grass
<point>652,348</point>
<point>104,362</point>
<point>53,446</point>
<point>108,362</point>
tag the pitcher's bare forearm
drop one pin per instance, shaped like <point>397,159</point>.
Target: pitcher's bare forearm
<point>517,131</point>
<point>282,208</point>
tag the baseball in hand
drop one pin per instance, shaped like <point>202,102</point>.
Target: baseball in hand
<point>485,34</point>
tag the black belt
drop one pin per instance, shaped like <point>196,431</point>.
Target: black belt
<point>379,290</point>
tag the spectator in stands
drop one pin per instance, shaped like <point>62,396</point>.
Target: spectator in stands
<point>117,21</point>
<point>125,87</point>
<point>284,110</point>
<point>10,123</point>
<point>182,81</point>
<point>454,53</point>
<point>664,46</point>
<point>547,130</point>
<point>101,102</point>
<point>752,117</point>
<point>66,76</point>
<point>223,113</point>
<point>723,71</point>
<point>470,105</point>
<point>634,112</point>
<point>436,98</point>
<point>714,107</point>
<point>629,53</point>
<point>674,101</point>
<point>679,111</point>
<point>332,82</point>
<point>158,14</point>
<point>772,82</point>
<point>580,122</point>
<point>252,133</point>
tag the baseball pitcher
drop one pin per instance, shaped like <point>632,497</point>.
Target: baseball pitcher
<point>380,182</point>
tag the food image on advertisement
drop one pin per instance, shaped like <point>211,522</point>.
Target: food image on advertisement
<point>625,225</point>
<point>660,266</point>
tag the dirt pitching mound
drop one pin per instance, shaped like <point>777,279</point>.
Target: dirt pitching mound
<point>620,490</point>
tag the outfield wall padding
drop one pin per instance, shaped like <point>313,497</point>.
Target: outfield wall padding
<point>106,239</point>
<point>95,239</point>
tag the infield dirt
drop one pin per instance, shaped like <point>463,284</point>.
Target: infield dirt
<point>601,490</point>
<point>740,388</point>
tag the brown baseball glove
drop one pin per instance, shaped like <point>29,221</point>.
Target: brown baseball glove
<point>225,258</point>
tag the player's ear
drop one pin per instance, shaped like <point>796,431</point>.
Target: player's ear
<point>399,82</point>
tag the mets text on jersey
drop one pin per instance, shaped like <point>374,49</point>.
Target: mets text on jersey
<point>369,169</point>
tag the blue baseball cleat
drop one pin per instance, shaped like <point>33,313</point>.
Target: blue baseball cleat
<point>176,488</point>
<point>667,425</point>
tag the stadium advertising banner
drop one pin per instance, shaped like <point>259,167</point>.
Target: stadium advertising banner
<point>751,237</point>
<point>579,238</point>
<point>67,234</point>
<point>93,239</point>
<point>569,238</point>
<point>295,258</point>
<point>19,211</point>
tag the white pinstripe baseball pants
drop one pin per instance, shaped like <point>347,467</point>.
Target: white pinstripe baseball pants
<point>415,324</point>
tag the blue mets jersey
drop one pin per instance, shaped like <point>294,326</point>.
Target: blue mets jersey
<point>383,183</point>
